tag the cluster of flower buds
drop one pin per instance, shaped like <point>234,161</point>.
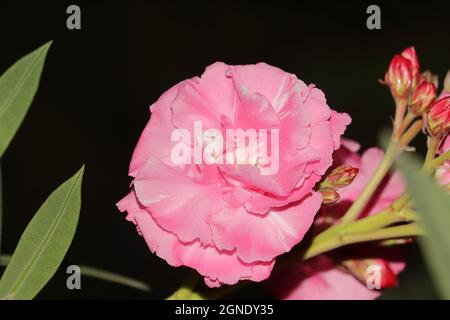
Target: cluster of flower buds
<point>338,178</point>
<point>408,85</point>
<point>418,92</point>
<point>364,270</point>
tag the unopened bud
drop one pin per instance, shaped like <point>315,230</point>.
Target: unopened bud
<point>423,96</point>
<point>329,195</point>
<point>438,118</point>
<point>359,269</point>
<point>411,56</point>
<point>427,76</point>
<point>340,177</point>
<point>399,77</point>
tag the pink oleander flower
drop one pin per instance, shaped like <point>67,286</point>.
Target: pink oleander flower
<point>328,276</point>
<point>226,219</point>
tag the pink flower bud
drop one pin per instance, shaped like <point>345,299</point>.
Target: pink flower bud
<point>329,195</point>
<point>422,97</point>
<point>340,177</point>
<point>447,83</point>
<point>438,118</point>
<point>410,54</point>
<point>359,268</point>
<point>399,77</point>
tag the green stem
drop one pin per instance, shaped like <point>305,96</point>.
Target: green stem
<point>406,122</point>
<point>432,145</point>
<point>411,133</point>
<point>186,291</point>
<point>401,202</point>
<point>399,116</point>
<point>1,209</point>
<point>99,274</point>
<point>114,278</point>
<point>357,206</point>
<point>439,160</point>
<point>381,220</point>
<point>378,220</point>
<point>407,230</point>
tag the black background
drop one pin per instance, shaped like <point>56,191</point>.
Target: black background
<point>99,81</point>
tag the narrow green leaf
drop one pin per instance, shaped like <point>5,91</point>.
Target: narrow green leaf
<point>18,86</point>
<point>44,242</point>
<point>434,205</point>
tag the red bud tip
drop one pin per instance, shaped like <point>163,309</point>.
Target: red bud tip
<point>363,270</point>
<point>410,54</point>
<point>399,77</point>
<point>388,277</point>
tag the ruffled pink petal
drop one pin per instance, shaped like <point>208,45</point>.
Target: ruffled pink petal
<point>261,203</point>
<point>350,145</point>
<point>252,109</point>
<point>338,122</point>
<point>295,124</point>
<point>348,154</point>
<point>318,279</point>
<point>262,238</point>
<point>317,106</point>
<point>275,83</point>
<point>321,141</point>
<point>223,267</point>
<point>217,267</point>
<point>177,203</point>
<point>159,241</point>
<point>281,184</point>
<point>207,99</point>
<point>155,139</point>
<point>190,106</point>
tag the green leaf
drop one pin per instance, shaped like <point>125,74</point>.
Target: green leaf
<point>44,242</point>
<point>433,203</point>
<point>18,86</point>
